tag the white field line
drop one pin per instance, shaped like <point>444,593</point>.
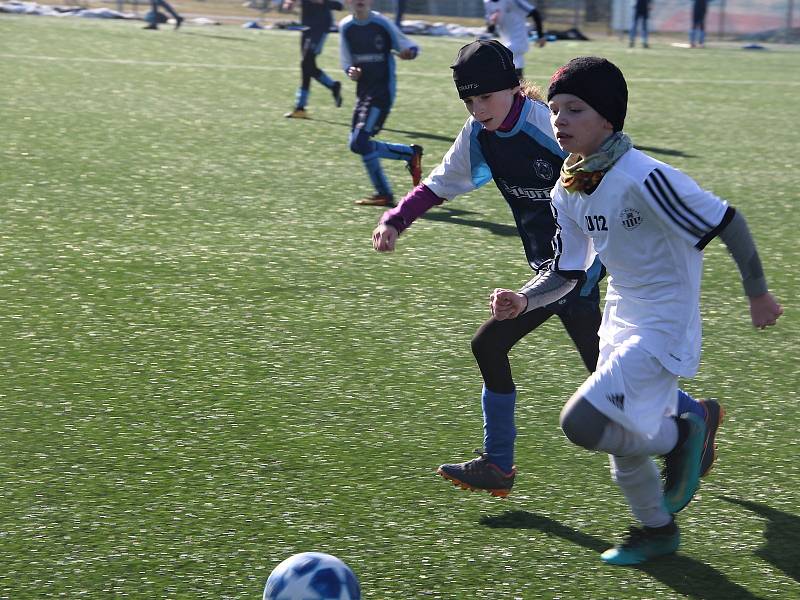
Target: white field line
<point>541,76</point>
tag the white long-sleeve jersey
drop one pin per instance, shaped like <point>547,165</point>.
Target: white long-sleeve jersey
<point>649,223</point>
<point>512,25</point>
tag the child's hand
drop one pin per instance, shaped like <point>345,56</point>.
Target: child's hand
<point>507,304</point>
<point>354,73</point>
<point>764,310</point>
<point>384,237</point>
<point>408,54</point>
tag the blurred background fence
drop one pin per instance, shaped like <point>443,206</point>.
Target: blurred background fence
<point>774,19</point>
<point>725,17</point>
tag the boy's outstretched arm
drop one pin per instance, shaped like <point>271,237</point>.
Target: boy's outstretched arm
<point>764,309</point>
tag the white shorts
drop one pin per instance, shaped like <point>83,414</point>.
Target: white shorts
<point>519,47</point>
<point>631,387</point>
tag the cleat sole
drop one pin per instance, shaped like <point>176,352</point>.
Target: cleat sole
<point>497,493</point>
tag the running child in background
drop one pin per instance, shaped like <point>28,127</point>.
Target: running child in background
<point>154,14</point>
<point>366,42</point>
<point>649,223</point>
<point>508,19</point>
<point>508,139</point>
<point>317,18</point>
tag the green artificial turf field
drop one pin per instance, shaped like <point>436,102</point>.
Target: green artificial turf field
<point>206,367</point>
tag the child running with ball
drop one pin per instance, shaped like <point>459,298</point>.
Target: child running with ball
<point>649,223</point>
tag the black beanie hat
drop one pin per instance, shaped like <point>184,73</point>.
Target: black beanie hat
<point>597,82</point>
<point>482,67</point>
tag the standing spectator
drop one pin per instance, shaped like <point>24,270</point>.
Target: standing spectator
<point>697,34</point>
<point>366,42</point>
<point>641,12</point>
<point>508,19</point>
<point>316,19</point>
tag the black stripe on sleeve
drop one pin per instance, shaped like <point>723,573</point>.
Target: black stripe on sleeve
<point>730,212</point>
<point>704,225</point>
<point>674,207</point>
<point>659,195</point>
<point>557,244</point>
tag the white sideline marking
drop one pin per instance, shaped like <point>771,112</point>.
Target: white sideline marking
<point>537,77</point>
<point>149,63</point>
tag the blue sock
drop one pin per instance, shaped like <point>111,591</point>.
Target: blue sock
<point>301,98</point>
<point>394,151</point>
<point>376,175</point>
<point>688,404</point>
<point>325,80</point>
<point>499,432</point>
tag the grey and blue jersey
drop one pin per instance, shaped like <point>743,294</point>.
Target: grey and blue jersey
<point>368,44</point>
<point>524,163</point>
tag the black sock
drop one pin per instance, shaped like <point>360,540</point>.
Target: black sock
<point>669,528</point>
<point>683,433</point>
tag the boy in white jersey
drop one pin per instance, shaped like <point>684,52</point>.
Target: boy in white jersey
<point>508,18</point>
<point>649,223</point>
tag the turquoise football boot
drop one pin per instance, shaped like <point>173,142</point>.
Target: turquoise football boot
<point>682,465</point>
<point>643,544</point>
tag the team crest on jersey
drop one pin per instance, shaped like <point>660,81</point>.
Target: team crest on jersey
<point>543,169</point>
<point>631,218</point>
<point>379,42</point>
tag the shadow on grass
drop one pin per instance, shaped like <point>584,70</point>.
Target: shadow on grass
<point>455,216</point>
<point>421,135</point>
<point>685,575</point>
<point>217,37</point>
<point>664,151</point>
<point>417,135</point>
<point>782,535</point>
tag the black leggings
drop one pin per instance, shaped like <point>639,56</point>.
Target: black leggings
<point>494,339</point>
<point>308,64</point>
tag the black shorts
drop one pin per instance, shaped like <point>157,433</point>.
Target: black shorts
<point>579,299</point>
<point>312,42</point>
<point>370,114</point>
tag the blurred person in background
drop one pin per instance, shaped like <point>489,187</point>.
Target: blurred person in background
<point>697,34</point>
<point>317,18</point>
<point>641,12</point>
<point>153,15</point>
<point>508,20</point>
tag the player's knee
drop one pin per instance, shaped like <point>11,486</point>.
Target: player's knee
<point>479,344</point>
<point>571,428</point>
<point>490,341</point>
<point>582,423</point>
<point>360,142</point>
<point>309,64</point>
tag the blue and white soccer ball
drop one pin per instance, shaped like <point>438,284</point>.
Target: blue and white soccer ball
<point>312,576</point>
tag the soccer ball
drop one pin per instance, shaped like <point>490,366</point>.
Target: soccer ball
<point>312,576</point>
